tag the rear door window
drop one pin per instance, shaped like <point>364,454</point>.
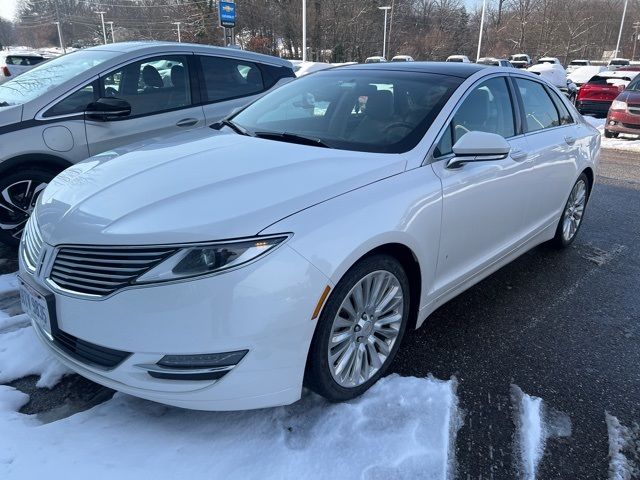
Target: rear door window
<point>540,111</point>
<point>227,78</point>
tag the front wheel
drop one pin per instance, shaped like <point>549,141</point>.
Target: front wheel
<point>610,134</point>
<point>19,192</point>
<point>360,329</point>
<point>573,213</point>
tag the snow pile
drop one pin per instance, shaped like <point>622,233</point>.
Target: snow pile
<point>621,439</point>
<point>8,284</point>
<point>401,428</point>
<point>535,424</point>
<point>623,142</point>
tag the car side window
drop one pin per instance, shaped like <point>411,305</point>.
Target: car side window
<point>152,85</point>
<point>75,103</point>
<point>226,78</point>
<point>565,116</point>
<point>487,108</point>
<point>539,110</point>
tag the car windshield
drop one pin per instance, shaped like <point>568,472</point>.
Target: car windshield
<point>361,110</point>
<point>579,62</point>
<point>48,75</point>
<point>634,85</point>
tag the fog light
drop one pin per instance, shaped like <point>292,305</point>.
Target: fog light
<point>208,360</point>
<point>612,122</point>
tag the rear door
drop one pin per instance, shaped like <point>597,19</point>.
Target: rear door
<point>228,84</point>
<point>483,202</point>
<point>163,101</point>
<point>554,138</point>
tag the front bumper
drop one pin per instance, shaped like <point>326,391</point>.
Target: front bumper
<point>264,308</point>
<point>621,121</point>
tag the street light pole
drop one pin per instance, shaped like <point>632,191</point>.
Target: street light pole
<point>624,12</point>
<point>113,37</point>
<point>104,32</point>
<point>64,50</point>
<point>484,7</point>
<point>178,25</point>
<point>304,30</point>
<point>636,26</point>
<point>384,34</point>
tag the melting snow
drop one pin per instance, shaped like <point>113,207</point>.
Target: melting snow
<point>621,439</point>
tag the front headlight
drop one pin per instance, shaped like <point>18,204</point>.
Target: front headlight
<point>618,105</point>
<point>196,260</point>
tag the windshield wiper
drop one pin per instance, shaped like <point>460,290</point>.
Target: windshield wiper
<point>233,126</point>
<point>293,138</point>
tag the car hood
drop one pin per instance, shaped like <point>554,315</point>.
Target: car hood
<point>630,96</point>
<point>10,115</point>
<point>200,188</point>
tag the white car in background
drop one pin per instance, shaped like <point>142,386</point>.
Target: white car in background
<point>13,64</point>
<point>458,59</point>
<point>402,58</point>
<point>552,60</point>
<point>521,60</point>
<point>375,59</point>
<point>618,62</point>
<point>575,64</point>
<point>582,75</point>
<point>99,98</point>
<point>225,271</point>
<point>555,74</point>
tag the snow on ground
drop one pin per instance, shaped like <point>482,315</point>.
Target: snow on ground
<point>623,142</point>
<point>402,428</point>
<point>621,440</point>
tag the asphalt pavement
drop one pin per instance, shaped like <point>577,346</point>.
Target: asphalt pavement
<point>560,325</point>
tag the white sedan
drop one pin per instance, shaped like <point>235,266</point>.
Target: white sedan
<point>297,242</point>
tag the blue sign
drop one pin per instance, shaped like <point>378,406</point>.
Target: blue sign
<point>227,14</point>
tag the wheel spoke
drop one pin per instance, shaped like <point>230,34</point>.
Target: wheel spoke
<point>373,355</point>
<point>394,318</point>
<point>389,301</point>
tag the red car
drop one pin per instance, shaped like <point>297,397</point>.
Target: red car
<point>624,114</point>
<point>595,96</point>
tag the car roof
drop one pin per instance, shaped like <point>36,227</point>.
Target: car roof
<point>462,70</point>
<point>153,46</point>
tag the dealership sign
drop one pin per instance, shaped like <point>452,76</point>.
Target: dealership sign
<point>227,14</point>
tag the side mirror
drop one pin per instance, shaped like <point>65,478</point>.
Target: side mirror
<point>108,108</point>
<point>479,147</point>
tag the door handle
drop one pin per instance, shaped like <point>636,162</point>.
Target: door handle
<point>187,122</point>
<point>518,155</point>
<point>570,140</point>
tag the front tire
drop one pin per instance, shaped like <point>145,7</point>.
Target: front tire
<point>19,192</point>
<point>573,213</point>
<point>360,329</point>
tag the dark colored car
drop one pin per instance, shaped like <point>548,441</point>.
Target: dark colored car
<point>595,96</point>
<point>624,113</point>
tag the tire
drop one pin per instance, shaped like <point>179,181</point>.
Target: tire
<point>610,134</point>
<point>566,233</point>
<point>365,335</point>
<point>22,189</point>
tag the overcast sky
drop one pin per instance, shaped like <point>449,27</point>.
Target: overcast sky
<point>8,8</point>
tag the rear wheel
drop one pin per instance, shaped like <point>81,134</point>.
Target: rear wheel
<point>19,192</point>
<point>571,219</point>
<point>360,329</point>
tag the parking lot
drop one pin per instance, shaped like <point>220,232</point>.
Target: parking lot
<point>561,326</point>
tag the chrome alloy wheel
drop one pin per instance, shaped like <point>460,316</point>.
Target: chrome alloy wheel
<point>572,216</point>
<point>17,202</point>
<point>365,328</point>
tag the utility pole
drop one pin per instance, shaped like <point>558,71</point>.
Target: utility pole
<point>484,6</point>
<point>177,24</point>
<point>304,30</point>
<point>384,33</point>
<point>104,32</point>
<point>636,26</point>
<point>113,37</point>
<point>64,50</point>
<point>624,12</point>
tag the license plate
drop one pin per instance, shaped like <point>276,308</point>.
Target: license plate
<point>35,306</point>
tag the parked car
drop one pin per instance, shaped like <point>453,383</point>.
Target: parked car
<point>575,64</point>
<point>553,60</point>
<point>305,68</point>
<point>96,99</point>
<point>555,74</point>
<point>226,271</point>
<point>458,59</point>
<point>582,75</point>
<point>13,64</point>
<point>521,60</point>
<point>494,62</point>
<point>624,113</point>
<point>618,62</point>
<point>375,59</point>
<point>402,58</point>
<point>595,96</point>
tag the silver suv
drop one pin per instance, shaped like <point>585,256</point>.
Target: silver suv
<point>96,99</point>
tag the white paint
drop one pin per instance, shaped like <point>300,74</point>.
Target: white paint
<point>531,434</point>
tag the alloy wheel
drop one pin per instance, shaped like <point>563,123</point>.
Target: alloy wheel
<point>574,210</point>
<point>17,202</point>
<point>365,328</point>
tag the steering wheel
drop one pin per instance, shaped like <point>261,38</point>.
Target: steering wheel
<point>394,125</point>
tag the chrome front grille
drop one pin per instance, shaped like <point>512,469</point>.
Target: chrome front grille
<point>100,271</point>
<point>32,244</point>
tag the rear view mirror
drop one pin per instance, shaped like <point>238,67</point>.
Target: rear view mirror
<point>479,147</point>
<point>108,108</point>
